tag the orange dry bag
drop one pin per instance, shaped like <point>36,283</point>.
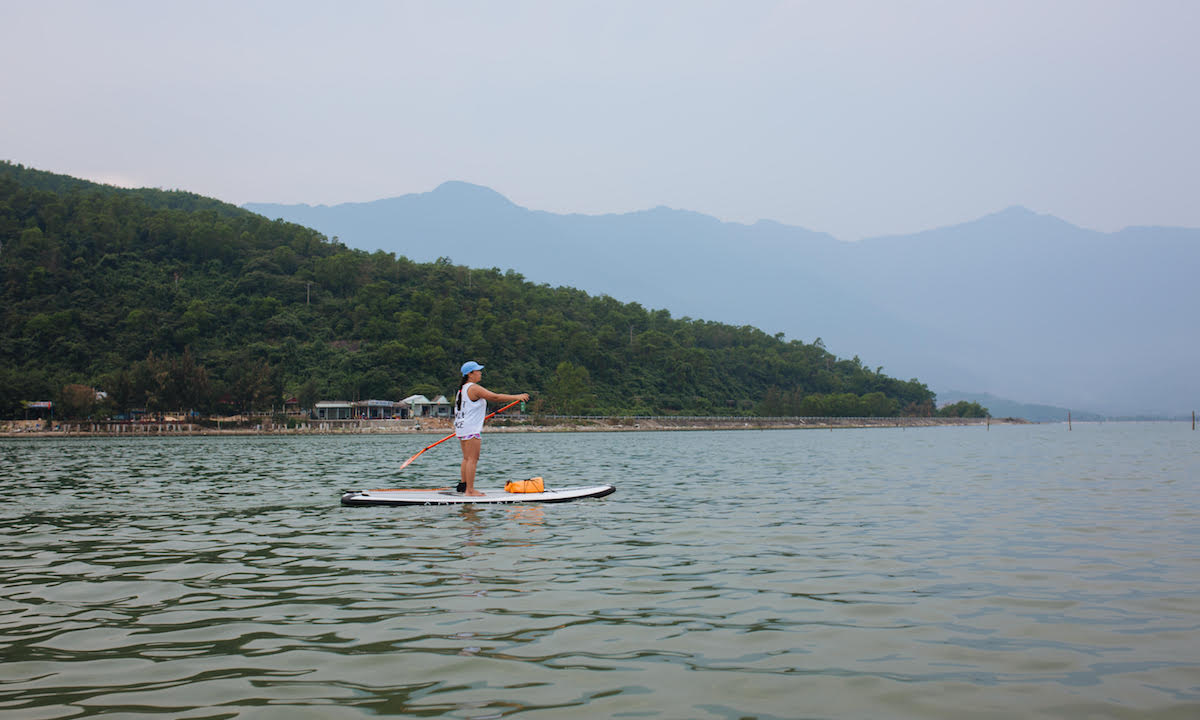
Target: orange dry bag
<point>532,485</point>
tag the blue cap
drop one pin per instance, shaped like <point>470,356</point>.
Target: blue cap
<point>470,366</point>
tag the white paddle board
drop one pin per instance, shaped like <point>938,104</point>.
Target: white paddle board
<point>447,496</point>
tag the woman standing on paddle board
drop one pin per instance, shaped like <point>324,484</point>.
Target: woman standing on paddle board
<point>470,409</point>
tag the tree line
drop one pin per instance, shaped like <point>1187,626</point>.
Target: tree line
<point>167,300</point>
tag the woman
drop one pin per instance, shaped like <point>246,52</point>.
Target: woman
<point>470,408</point>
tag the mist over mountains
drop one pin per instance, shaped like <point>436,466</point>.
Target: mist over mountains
<point>1016,304</point>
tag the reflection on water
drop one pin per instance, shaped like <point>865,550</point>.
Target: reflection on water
<point>1016,572</point>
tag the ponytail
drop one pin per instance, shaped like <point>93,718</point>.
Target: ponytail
<point>458,395</point>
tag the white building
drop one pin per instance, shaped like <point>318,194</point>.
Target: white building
<point>333,410</point>
<point>424,407</point>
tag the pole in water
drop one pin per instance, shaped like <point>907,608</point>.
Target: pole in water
<point>1068,420</point>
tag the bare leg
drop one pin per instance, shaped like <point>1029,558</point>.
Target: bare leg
<point>470,451</point>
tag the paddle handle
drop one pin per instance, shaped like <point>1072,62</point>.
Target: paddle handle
<point>489,417</point>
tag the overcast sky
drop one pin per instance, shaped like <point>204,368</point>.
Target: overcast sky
<point>857,118</point>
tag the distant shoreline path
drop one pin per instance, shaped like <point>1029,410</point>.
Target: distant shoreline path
<point>26,428</point>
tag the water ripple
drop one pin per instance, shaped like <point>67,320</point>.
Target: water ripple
<point>899,573</point>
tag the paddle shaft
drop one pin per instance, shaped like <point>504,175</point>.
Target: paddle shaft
<point>439,442</point>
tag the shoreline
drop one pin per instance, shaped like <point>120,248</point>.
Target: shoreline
<point>438,426</point>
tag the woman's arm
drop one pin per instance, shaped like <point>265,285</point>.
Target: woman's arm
<point>477,391</point>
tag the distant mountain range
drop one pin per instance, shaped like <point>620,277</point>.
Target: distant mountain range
<point>1016,304</point>
<point>1004,408</point>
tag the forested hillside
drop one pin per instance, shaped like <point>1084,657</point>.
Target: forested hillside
<point>169,300</point>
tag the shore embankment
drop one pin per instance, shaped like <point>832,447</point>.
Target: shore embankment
<point>530,423</point>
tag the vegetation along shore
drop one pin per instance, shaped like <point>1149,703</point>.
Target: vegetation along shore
<point>242,426</point>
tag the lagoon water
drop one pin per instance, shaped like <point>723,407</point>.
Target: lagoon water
<point>1021,571</point>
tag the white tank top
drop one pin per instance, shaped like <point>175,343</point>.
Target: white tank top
<point>468,413</point>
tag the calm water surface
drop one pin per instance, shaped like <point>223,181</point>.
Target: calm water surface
<point>918,573</point>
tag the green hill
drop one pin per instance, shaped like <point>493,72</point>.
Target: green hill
<point>169,300</point>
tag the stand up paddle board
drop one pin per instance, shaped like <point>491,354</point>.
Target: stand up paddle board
<point>447,496</point>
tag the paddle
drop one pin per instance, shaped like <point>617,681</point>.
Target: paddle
<point>439,442</point>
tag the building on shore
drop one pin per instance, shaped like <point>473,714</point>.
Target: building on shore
<point>38,410</point>
<point>423,407</point>
<point>380,409</point>
<point>333,410</point>
<point>361,410</point>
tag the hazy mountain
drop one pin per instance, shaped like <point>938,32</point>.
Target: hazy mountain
<point>1016,304</point>
<point>1004,408</point>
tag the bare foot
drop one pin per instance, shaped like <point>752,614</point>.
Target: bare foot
<point>473,493</point>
